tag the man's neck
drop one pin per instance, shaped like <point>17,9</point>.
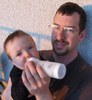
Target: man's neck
<point>65,59</point>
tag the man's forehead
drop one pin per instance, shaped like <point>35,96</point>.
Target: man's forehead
<point>74,15</point>
<point>67,19</point>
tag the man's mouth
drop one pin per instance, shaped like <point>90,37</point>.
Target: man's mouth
<point>60,44</point>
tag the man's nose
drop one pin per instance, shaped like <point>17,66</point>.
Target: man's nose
<point>60,35</point>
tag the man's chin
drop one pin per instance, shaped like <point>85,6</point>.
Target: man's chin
<point>60,53</point>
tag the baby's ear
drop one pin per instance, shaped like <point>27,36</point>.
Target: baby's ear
<point>12,62</point>
<point>82,35</point>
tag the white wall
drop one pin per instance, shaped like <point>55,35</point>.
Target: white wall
<point>32,16</point>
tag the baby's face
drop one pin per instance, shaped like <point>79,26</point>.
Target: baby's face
<point>20,49</point>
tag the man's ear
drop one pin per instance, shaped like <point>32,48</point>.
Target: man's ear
<point>82,35</point>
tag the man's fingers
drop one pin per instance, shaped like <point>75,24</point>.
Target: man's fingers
<point>44,77</point>
<point>30,69</point>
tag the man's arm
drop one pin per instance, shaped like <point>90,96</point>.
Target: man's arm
<point>83,93</point>
<point>6,95</point>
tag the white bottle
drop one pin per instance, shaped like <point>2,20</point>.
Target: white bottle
<point>53,69</point>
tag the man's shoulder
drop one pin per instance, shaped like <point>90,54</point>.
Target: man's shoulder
<point>45,54</point>
<point>84,71</point>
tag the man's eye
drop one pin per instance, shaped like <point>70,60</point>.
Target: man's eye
<point>57,27</point>
<point>69,30</point>
<point>66,30</point>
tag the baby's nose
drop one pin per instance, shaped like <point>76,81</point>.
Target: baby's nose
<point>27,55</point>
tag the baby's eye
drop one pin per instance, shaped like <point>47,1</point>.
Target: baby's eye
<point>19,54</point>
<point>30,47</point>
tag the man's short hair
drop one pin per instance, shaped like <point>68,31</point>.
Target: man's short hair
<point>69,8</point>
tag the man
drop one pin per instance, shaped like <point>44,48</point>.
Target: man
<point>68,30</point>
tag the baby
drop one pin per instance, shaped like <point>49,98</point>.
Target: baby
<point>19,47</point>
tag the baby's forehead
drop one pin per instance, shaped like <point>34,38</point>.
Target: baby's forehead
<point>27,38</point>
<point>20,39</point>
<point>19,42</point>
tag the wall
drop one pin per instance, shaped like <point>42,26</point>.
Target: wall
<point>32,16</point>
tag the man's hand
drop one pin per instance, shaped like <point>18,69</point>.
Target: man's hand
<point>36,81</point>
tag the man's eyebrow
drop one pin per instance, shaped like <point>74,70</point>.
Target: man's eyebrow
<point>56,24</point>
<point>64,26</point>
<point>71,27</point>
